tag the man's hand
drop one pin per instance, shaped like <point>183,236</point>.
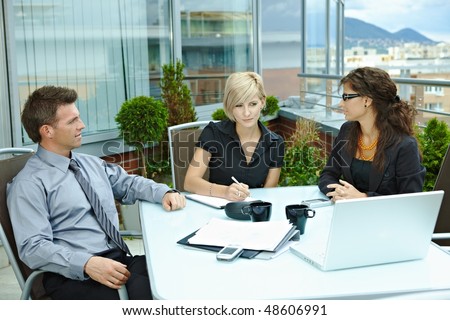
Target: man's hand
<point>173,201</point>
<point>111,273</point>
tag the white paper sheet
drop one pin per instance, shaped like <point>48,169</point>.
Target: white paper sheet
<point>215,202</point>
<point>265,235</point>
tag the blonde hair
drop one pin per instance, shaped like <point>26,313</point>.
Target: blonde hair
<point>240,88</point>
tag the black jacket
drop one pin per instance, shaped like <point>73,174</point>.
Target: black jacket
<point>402,172</point>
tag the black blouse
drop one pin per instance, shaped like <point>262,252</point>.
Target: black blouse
<point>361,174</point>
<point>228,158</point>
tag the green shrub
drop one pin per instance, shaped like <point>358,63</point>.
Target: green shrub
<point>176,94</point>
<point>142,120</point>
<point>219,114</point>
<point>271,106</point>
<point>433,141</point>
<point>304,156</point>
<point>160,171</point>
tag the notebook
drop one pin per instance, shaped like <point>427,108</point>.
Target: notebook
<point>374,230</point>
<point>249,254</point>
<point>215,202</point>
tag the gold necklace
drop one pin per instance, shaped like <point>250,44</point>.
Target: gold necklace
<point>362,147</point>
<point>363,157</point>
<point>369,147</point>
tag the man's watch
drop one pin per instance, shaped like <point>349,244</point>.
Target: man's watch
<point>173,191</point>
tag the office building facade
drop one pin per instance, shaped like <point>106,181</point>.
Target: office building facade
<point>111,51</point>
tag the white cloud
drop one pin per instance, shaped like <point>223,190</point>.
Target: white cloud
<point>429,17</point>
<point>285,8</point>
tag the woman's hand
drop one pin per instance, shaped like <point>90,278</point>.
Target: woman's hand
<point>344,190</point>
<point>237,192</point>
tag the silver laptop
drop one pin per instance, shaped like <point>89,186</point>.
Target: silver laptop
<point>374,230</point>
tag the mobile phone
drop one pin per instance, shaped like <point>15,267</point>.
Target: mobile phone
<point>316,203</point>
<point>229,253</point>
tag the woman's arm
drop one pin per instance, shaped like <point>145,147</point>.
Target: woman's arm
<point>410,173</point>
<point>272,178</point>
<point>195,183</point>
<point>332,171</point>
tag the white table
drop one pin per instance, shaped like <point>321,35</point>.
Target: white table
<point>180,273</point>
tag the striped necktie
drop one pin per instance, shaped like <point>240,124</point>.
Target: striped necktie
<point>102,218</point>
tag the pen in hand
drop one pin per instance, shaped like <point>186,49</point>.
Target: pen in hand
<point>235,180</point>
<point>240,184</point>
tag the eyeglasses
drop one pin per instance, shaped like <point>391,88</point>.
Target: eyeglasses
<point>347,96</point>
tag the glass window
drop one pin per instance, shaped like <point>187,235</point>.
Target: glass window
<point>316,41</point>
<point>107,50</point>
<point>439,91</point>
<point>323,46</point>
<point>217,39</point>
<point>435,106</point>
<point>281,47</point>
<point>5,129</point>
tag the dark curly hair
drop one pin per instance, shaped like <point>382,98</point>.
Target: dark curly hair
<point>394,117</point>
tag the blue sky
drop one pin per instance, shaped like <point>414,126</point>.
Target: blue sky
<point>429,17</point>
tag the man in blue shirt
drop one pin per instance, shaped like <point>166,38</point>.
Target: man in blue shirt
<point>54,223</point>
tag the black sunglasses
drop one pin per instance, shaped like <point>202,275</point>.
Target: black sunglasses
<point>347,96</point>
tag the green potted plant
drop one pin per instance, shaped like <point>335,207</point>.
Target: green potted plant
<point>176,94</point>
<point>219,114</point>
<point>304,157</point>
<point>433,141</point>
<point>271,108</point>
<point>142,120</point>
<point>269,111</point>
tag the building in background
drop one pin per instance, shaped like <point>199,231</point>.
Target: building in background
<point>111,51</point>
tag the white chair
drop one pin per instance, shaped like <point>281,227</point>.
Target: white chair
<point>182,139</point>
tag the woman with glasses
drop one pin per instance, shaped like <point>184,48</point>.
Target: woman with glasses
<point>375,152</point>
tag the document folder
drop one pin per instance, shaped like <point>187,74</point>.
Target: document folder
<point>215,202</point>
<point>291,235</point>
<point>249,254</point>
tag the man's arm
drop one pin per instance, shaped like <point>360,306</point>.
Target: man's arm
<point>129,188</point>
<point>27,205</point>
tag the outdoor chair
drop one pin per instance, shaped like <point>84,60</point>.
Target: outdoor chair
<point>182,140</point>
<point>30,281</point>
<point>441,234</point>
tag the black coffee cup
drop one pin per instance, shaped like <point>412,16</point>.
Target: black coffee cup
<point>298,214</point>
<point>233,209</point>
<point>258,211</point>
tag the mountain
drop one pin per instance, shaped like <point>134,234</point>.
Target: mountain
<point>360,33</point>
<point>411,35</point>
<point>357,32</point>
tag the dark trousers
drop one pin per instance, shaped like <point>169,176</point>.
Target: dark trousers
<point>59,287</point>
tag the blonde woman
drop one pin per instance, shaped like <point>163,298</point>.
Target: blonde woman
<point>240,147</point>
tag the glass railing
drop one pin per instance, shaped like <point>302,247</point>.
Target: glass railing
<point>428,96</point>
<point>320,95</point>
<point>205,89</point>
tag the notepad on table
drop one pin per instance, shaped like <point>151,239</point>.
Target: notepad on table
<point>214,202</point>
<point>265,235</point>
